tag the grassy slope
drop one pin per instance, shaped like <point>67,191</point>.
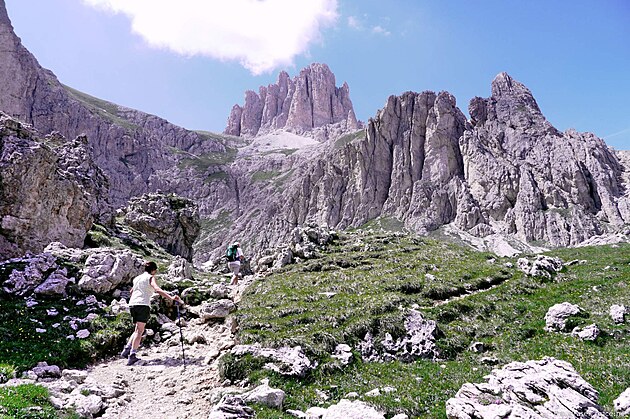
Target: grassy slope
<point>375,275</point>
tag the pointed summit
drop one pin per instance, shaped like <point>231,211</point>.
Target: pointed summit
<point>504,85</point>
<point>515,103</point>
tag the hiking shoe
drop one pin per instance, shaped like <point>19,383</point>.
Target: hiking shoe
<point>125,353</point>
<point>133,358</point>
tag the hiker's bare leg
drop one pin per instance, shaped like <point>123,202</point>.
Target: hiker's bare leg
<point>137,335</point>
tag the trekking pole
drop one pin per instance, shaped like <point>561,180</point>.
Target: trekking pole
<point>181,335</point>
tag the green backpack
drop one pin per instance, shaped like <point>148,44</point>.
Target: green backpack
<point>231,253</point>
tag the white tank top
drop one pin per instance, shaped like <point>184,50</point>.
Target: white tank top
<point>142,290</point>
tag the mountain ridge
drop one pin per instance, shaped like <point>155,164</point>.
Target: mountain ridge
<point>419,160</point>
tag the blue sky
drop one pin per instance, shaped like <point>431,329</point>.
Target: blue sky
<point>573,55</point>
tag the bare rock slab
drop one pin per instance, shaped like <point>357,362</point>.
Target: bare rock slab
<point>549,388</point>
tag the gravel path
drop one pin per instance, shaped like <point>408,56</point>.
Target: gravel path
<point>159,386</point>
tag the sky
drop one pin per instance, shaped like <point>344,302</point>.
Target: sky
<point>190,61</point>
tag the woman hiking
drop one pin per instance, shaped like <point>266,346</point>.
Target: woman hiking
<point>144,286</point>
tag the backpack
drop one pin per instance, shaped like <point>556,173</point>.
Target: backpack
<point>231,253</point>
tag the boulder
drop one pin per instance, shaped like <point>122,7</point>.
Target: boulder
<point>55,284</point>
<point>43,370</point>
<point>558,315</point>
<point>106,269</point>
<point>622,403</point>
<point>216,310</point>
<point>355,409</point>
<point>418,342</point>
<point>542,266</point>
<point>30,273</point>
<point>343,354</point>
<point>618,313</point>
<point>534,389</point>
<point>266,395</point>
<point>590,332</point>
<point>86,406</point>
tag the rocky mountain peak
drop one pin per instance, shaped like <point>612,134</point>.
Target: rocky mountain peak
<point>4,16</point>
<point>515,104</point>
<point>303,104</point>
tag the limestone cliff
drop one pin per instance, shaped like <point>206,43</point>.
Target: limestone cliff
<point>43,197</point>
<point>130,146</point>
<point>506,171</point>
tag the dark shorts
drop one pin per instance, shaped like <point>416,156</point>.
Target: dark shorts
<point>140,313</point>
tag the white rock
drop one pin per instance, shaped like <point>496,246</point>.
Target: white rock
<point>558,314</point>
<point>267,396</point>
<point>534,389</point>
<point>618,313</point>
<point>83,333</point>
<point>373,393</point>
<point>589,333</point>
<point>347,409</point>
<point>622,403</point>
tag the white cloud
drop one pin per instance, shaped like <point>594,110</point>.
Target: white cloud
<point>261,34</point>
<point>380,30</point>
<point>355,23</point>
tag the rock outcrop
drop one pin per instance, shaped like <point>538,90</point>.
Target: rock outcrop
<point>419,342</point>
<point>130,146</point>
<point>170,220</point>
<point>533,181</point>
<point>286,361</point>
<point>45,194</point>
<point>309,101</point>
<point>534,389</point>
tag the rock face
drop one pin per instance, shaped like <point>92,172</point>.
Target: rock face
<point>535,389</point>
<point>130,146</point>
<point>539,183</point>
<point>506,171</point>
<point>169,220</point>
<point>311,100</point>
<point>44,196</point>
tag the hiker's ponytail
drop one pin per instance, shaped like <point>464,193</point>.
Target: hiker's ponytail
<point>150,267</point>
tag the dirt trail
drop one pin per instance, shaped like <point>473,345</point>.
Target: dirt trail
<point>160,386</point>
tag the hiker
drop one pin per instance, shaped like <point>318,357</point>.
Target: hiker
<point>144,286</point>
<point>234,256</point>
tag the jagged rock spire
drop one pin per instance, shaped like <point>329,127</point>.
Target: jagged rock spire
<point>309,101</point>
